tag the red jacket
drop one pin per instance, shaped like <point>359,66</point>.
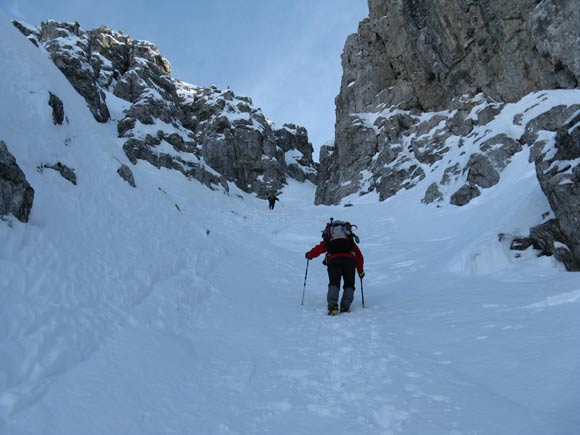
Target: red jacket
<point>321,249</point>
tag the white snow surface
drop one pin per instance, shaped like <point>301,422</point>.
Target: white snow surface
<point>174,309</point>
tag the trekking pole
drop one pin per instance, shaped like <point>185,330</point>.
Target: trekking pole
<point>305,275</point>
<point>362,293</point>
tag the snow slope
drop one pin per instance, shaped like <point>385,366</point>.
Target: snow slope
<point>173,309</point>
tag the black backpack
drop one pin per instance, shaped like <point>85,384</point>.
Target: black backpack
<point>339,236</point>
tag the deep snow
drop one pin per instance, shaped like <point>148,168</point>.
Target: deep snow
<point>173,309</point>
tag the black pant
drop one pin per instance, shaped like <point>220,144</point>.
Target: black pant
<point>341,268</point>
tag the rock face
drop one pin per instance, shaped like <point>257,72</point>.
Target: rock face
<point>415,66</point>
<point>558,171</point>
<point>444,95</point>
<point>82,69</point>
<point>16,194</point>
<point>208,134</point>
<point>430,52</point>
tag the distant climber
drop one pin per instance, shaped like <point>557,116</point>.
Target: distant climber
<point>272,201</point>
<point>342,258</point>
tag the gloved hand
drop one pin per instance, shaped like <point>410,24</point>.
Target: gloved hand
<point>361,274</point>
<point>307,256</point>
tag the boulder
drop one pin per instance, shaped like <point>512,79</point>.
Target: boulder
<point>464,195</point>
<point>432,194</point>
<point>57,108</point>
<point>481,172</point>
<point>126,174</point>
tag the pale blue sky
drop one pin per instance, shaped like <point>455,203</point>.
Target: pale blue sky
<point>285,55</point>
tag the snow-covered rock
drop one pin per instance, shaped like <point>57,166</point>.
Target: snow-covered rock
<point>442,96</point>
<point>558,169</point>
<point>206,133</point>
<point>421,78</point>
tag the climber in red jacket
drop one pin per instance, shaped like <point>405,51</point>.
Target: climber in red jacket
<point>343,257</point>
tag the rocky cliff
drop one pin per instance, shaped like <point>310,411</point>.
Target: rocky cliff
<point>442,95</point>
<point>206,133</point>
<point>409,58</point>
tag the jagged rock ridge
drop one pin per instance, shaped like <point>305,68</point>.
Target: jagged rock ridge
<point>207,134</point>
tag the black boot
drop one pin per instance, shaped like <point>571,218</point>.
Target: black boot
<point>332,310</point>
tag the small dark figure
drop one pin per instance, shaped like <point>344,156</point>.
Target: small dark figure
<point>272,201</point>
<point>343,257</point>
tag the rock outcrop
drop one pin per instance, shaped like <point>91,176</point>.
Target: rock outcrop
<point>415,66</point>
<point>57,109</point>
<point>558,170</point>
<point>208,134</point>
<point>16,194</point>
<point>126,174</point>
<point>65,172</point>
